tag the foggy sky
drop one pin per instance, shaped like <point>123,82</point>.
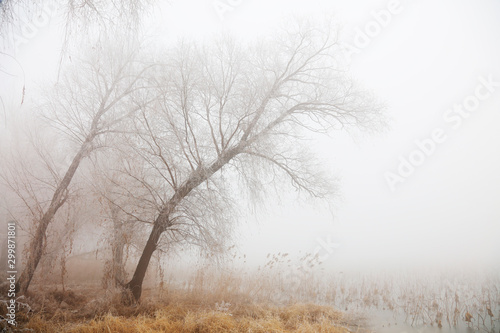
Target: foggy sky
<point>427,59</point>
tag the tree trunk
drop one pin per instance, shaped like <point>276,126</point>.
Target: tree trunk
<point>162,222</point>
<point>35,252</point>
<point>37,242</point>
<point>135,284</point>
<point>117,264</point>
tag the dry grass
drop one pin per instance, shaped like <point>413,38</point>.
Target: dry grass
<point>217,306</point>
<point>270,300</point>
<point>190,317</point>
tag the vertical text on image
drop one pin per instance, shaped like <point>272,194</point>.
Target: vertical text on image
<point>11,272</point>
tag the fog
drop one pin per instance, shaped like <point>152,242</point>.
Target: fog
<point>417,192</point>
<point>425,61</point>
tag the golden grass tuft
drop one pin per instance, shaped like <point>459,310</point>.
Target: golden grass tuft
<point>207,302</point>
<point>180,318</point>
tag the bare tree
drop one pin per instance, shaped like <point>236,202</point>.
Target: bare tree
<point>80,16</point>
<point>118,246</point>
<point>85,23</point>
<point>90,105</point>
<point>122,210</point>
<point>228,114</point>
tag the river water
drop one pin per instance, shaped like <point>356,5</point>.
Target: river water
<point>386,321</point>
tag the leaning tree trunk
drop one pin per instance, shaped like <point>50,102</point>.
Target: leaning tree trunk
<point>37,242</point>
<point>163,222</point>
<point>134,287</point>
